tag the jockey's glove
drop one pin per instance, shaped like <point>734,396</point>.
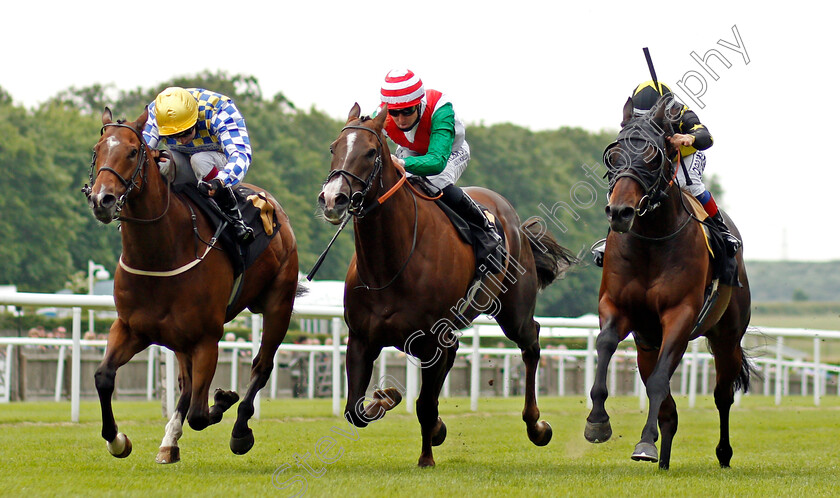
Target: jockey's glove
<point>211,187</point>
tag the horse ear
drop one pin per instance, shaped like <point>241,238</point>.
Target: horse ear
<point>355,112</point>
<point>379,120</point>
<point>661,104</point>
<point>628,111</point>
<point>141,121</point>
<point>107,117</point>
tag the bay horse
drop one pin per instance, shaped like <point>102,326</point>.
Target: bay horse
<point>656,272</point>
<point>168,293</point>
<point>410,271</point>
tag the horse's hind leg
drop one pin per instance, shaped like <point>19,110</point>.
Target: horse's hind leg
<point>122,346</point>
<point>274,331</point>
<point>169,452</point>
<point>732,368</point>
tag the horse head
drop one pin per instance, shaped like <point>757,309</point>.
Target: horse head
<point>117,168</point>
<point>357,157</point>
<point>638,165</point>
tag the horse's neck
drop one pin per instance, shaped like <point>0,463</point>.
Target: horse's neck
<point>384,236</point>
<point>161,242</point>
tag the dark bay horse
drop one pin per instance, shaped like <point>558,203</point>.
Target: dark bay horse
<point>410,272</point>
<point>172,289</point>
<point>656,270</point>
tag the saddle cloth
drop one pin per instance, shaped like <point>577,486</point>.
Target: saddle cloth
<point>257,212</point>
<point>724,267</point>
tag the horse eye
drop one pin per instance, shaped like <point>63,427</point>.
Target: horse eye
<point>132,153</point>
<point>371,153</point>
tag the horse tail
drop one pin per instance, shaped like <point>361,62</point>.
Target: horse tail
<point>742,381</point>
<point>301,290</point>
<point>552,260</point>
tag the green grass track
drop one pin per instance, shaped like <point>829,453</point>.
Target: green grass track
<point>789,450</point>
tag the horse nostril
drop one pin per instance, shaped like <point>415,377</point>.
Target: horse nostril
<point>341,201</point>
<point>107,201</point>
<point>322,200</point>
<point>625,213</point>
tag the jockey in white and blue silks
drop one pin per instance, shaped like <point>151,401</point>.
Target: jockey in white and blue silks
<point>205,133</point>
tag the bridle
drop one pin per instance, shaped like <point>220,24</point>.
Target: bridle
<point>357,198</point>
<point>654,183</point>
<point>131,183</point>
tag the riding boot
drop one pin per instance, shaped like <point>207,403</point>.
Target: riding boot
<point>466,207</point>
<point>732,242</point>
<point>226,199</point>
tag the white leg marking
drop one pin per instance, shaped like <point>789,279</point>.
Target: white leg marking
<point>117,446</point>
<point>174,430</point>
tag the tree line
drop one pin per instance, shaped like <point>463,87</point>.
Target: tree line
<point>47,233</point>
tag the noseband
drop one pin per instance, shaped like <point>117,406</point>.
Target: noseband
<point>357,198</point>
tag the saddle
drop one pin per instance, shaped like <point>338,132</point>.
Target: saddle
<point>724,268</point>
<point>257,212</point>
<point>486,251</point>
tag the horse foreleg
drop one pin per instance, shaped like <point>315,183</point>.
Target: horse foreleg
<point>675,341</point>
<point>598,428</point>
<point>359,366</point>
<point>432,428</point>
<point>169,452</point>
<point>668,426</point>
<point>122,346</point>
<point>204,358</point>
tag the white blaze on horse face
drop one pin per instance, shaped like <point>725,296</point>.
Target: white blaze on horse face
<point>333,187</point>
<point>112,142</point>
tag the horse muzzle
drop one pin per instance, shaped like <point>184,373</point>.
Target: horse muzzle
<point>333,206</point>
<point>621,217</point>
<point>104,206</point>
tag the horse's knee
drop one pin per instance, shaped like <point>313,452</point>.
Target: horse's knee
<point>355,418</point>
<point>198,421</point>
<point>103,378</point>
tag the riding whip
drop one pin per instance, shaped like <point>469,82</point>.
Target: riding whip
<point>323,255</point>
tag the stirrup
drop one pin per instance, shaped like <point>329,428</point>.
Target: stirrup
<point>597,250</point>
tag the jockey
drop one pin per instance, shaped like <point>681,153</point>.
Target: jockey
<point>205,132</point>
<point>431,142</point>
<point>692,138</point>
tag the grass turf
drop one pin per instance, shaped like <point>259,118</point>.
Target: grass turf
<point>778,450</point>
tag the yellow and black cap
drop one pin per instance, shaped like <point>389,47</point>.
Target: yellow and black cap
<point>646,95</point>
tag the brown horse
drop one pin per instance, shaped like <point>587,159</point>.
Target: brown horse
<point>171,289</point>
<point>410,272</point>
<point>656,271</point>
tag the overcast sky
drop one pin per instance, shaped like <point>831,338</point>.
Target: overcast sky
<point>541,64</point>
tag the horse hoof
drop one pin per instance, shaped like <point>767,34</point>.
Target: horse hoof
<point>120,447</point>
<point>597,432</point>
<point>541,434</point>
<point>242,445</point>
<point>426,462</point>
<point>440,436</point>
<point>645,452</point>
<point>168,454</point>
<point>388,398</point>
<point>227,398</point>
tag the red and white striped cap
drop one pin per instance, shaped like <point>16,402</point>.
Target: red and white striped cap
<point>402,88</point>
